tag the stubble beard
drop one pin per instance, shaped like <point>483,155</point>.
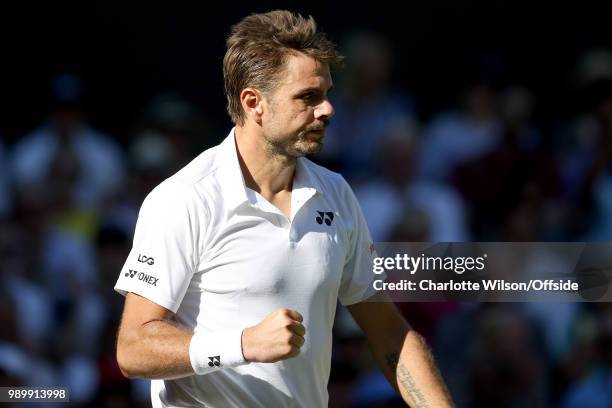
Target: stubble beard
<point>297,146</point>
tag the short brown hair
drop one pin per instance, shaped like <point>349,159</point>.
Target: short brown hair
<point>257,50</point>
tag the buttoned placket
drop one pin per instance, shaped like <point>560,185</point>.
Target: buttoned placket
<point>299,197</point>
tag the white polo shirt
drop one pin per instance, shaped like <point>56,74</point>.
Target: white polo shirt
<point>222,257</point>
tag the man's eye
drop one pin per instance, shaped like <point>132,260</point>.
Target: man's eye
<point>312,98</point>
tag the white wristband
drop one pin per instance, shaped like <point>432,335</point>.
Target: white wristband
<point>210,352</point>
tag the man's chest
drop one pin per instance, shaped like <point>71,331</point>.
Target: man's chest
<point>259,253</point>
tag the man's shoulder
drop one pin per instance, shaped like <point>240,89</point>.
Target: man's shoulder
<point>199,171</point>
<point>190,183</point>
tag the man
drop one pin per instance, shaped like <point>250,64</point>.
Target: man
<point>240,257</point>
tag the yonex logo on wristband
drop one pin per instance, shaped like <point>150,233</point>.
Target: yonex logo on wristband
<point>215,361</point>
<point>131,273</point>
<point>328,217</point>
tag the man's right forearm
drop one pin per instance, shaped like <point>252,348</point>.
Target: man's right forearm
<point>158,349</point>
<point>161,349</point>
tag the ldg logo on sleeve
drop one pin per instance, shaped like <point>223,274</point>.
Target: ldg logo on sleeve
<point>146,259</point>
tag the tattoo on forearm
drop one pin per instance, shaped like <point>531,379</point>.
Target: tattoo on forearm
<point>405,380</point>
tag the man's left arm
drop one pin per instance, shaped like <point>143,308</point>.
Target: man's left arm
<point>401,353</point>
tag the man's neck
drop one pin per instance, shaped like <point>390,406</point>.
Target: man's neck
<point>263,170</point>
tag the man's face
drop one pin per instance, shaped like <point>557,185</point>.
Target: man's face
<point>298,111</point>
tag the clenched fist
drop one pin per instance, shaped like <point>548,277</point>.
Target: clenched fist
<point>278,337</point>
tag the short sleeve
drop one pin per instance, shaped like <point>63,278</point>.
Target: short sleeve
<point>357,277</point>
<point>163,257</point>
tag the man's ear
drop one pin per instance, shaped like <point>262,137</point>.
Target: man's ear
<point>252,102</point>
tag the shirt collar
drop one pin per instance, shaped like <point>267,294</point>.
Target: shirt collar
<point>232,181</point>
<point>305,183</point>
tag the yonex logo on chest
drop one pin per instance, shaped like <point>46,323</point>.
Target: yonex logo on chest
<point>327,217</point>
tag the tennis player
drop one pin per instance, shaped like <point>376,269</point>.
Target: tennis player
<point>239,259</point>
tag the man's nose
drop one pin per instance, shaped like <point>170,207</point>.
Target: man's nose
<point>324,110</point>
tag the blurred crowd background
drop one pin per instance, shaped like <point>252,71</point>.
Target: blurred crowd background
<point>455,121</point>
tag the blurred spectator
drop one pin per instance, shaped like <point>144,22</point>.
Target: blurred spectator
<point>453,138</point>
<point>30,300</point>
<point>71,274</point>
<point>396,196</point>
<point>25,315</point>
<point>69,144</point>
<point>366,106</point>
<point>554,318</point>
<point>503,182</point>
<point>508,367</point>
<point>383,199</point>
<point>499,360</point>
<point>170,133</point>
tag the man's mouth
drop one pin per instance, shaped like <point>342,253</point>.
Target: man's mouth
<point>315,135</point>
